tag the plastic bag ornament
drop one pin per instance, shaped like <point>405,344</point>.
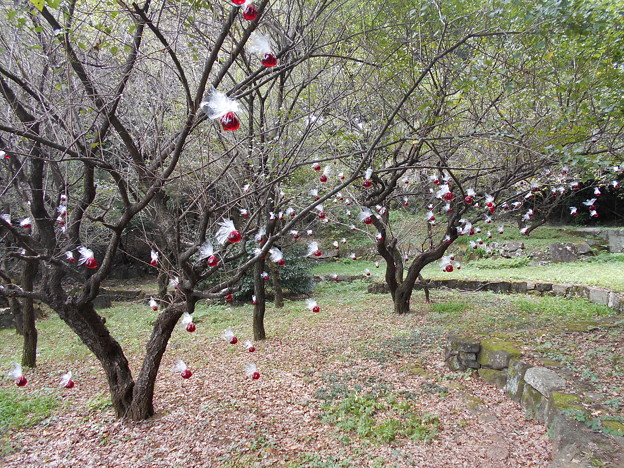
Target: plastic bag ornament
<point>429,216</point>
<point>470,195</point>
<point>367,183</point>
<point>280,216</point>
<point>593,213</point>
<point>501,230</point>
<point>313,250</point>
<point>174,283</point>
<point>228,335</point>
<point>591,203</point>
<point>314,194</point>
<point>447,239</point>
<point>260,236</point>
<point>316,166</point>
<point>524,231</point>
<point>264,275</point>
<point>488,220</point>
<point>6,218</point>
<point>295,234</point>
<point>244,213</point>
<point>336,245</point>
<point>616,184</point>
<point>341,176</point>
<point>249,346</point>
<point>489,235</point>
<point>310,232</point>
<point>352,227</point>
<point>535,187</point>
<point>347,202</point>
<point>187,322</point>
<point>447,208</point>
<point>573,211</point>
<point>352,256</point>
<point>252,371</point>
<point>227,232</point>
<point>366,216</point>
<point>405,202</point>
<point>473,245</point>
<point>277,257</point>
<point>69,255</point>
<point>246,188</point>
<point>445,193</point>
<point>480,241</point>
<point>528,215</point>
<point>376,264</point>
<point>343,240</point>
<point>180,367</point>
<point>379,237</point>
<point>218,106</point>
<point>515,205</point>
<point>25,223</point>
<point>290,212</point>
<point>66,380</point>
<point>446,265</point>
<point>206,251</point>
<point>3,155</point>
<point>382,210</point>
<point>313,306</point>
<point>434,179</point>
<point>325,175</point>
<point>17,376</point>
<point>254,300</point>
<point>228,298</point>
<point>575,185</point>
<point>87,258</point>
<point>367,272</point>
<point>321,213</point>
<point>153,304</point>
<point>153,258</point>
<point>597,192</point>
<point>250,12</point>
<point>334,277</point>
<point>476,230</point>
<point>339,196</point>
<point>260,44</point>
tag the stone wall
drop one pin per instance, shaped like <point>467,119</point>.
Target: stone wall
<point>614,300</point>
<point>546,396</point>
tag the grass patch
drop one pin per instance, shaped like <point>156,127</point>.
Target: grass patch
<point>19,409</point>
<point>380,420</point>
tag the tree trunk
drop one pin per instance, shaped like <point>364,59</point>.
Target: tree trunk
<point>29,329</point>
<point>259,308</point>
<point>277,286</point>
<point>18,317</point>
<point>401,298</point>
<point>142,405</point>
<point>425,288</point>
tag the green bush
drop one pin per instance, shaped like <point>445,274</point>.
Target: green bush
<point>500,263</point>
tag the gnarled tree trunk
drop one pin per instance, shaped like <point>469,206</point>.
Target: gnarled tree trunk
<point>260,307</point>
<point>29,328</point>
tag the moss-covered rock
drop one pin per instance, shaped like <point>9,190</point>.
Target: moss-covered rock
<point>515,378</point>
<point>534,403</point>
<point>497,378</point>
<point>495,354</point>
<point>611,426</point>
<point>563,402</point>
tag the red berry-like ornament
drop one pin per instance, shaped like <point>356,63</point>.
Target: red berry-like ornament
<point>317,253</point>
<point>468,200</point>
<point>448,196</point>
<point>213,261</point>
<point>322,215</point>
<point>367,183</point>
<point>186,374</point>
<point>255,375</point>
<point>234,237</point>
<point>238,2</point>
<point>250,12</point>
<point>251,349</point>
<point>316,309</point>
<point>21,381</point>
<point>233,340</point>
<point>449,268</point>
<point>368,220</point>
<point>69,384</point>
<point>228,298</point>
<point>91,263</point>
<point>323,178</point>
<point>229,122</point>
<point>269,60</point>
<point>281,262</point>
<point>190,327</point>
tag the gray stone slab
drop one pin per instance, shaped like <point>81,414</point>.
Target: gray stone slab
<point>563,252</point>
<point>544,380</point>
<point>599,296</point>
<point>616,240</point>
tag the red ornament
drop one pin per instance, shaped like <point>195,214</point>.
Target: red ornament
<point>250,12</point>
<point>367,183</point>
<point>316,166</point>
<point>368,220</point>
<point>69,384</point>
<point>251,349</point>
<point>234,237</point>
<point>449,268</point>
<point>468,200</point>
<point>448,196</point>
<point>255,375</point>
<point>317,253</point>
<point>213,261</point>
<point>281,262</point>
<point>186,374</point>
<point>269,60</point>
<point>91,263</point>
<point>154,262</point>
<point>190,327</point>
<point>228,298</point>
<point>238,2</point>
<point>321,215</point>
<point>233,340</point>
<point>21,381</point>
<point>229,122</point>
<point>316,309</point>
<point>323,178</point>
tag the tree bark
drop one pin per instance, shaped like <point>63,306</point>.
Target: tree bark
<point>142,404</point>
<point>402,297</point>
<point>29,329</point>
<point>260,307</point>
<point>277,286</point>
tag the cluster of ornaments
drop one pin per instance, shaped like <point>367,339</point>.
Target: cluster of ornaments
<point>16,374</point>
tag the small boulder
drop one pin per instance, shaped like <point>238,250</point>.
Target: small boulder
<point>544,380</point>
<point>495,354</point>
